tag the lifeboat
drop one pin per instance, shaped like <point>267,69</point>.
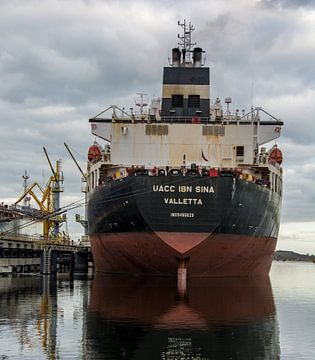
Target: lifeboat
<point>275,156</point>
<point>95,152</point>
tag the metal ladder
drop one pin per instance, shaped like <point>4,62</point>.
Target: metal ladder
<point>47,262</point>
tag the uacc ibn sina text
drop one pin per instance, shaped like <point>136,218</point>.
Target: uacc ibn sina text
<point>182,188</point>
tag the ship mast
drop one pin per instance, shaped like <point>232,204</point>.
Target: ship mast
<point>185,41</point>
<point>141,102</point>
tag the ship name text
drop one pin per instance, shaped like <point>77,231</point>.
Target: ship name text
<point>184,201</point>
<point>183,188</point>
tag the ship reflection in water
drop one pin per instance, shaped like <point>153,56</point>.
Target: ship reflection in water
<point>136,318</point>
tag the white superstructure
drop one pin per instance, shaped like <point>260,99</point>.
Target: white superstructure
<point>184,131</point>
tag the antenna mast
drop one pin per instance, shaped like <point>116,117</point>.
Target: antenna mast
<point>27,199</point>
<point>185,40</point>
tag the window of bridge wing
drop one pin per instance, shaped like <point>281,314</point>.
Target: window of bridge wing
<point>177,101</point>
<point>240,151</point>
<point>194,101</point>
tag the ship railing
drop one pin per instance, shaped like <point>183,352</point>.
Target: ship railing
<point>165,119</point>
<point>253,116</point>
<point>184,119</point>
<point>244,171</point>
<point>219,120</point>
<point>223,120</point>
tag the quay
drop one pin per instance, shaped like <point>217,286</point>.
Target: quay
<point>23,254</point>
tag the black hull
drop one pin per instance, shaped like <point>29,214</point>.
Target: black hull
<point>234,207</point>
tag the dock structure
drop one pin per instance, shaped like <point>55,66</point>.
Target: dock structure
<point>26,254</point>
<point>50,250</point>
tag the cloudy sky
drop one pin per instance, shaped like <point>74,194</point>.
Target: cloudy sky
<point>63,61</point>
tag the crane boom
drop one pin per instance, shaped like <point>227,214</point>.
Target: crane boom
<point>74,159</point>
<point>51,167</point>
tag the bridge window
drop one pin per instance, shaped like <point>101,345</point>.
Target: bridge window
<point>177,101</point>
<point>194,101</point>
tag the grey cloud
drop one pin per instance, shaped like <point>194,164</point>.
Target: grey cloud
<point>288,3</point>
<point>81,57</point>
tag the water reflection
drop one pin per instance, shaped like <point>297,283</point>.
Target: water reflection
<point>42,318</point>
<point>47,319</point>
<point>134,318</point>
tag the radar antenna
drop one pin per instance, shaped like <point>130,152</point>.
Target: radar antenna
<point>185,41</point>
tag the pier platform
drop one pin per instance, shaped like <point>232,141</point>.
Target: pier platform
<point>26,254</point>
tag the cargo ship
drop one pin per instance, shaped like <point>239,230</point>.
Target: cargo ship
<point>185,183</point>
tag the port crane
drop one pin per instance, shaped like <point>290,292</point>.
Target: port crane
<point>48,201</point>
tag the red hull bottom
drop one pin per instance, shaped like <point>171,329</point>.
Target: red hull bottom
<point>142,253</point>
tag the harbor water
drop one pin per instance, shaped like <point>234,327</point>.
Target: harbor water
<point>135,318</point>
